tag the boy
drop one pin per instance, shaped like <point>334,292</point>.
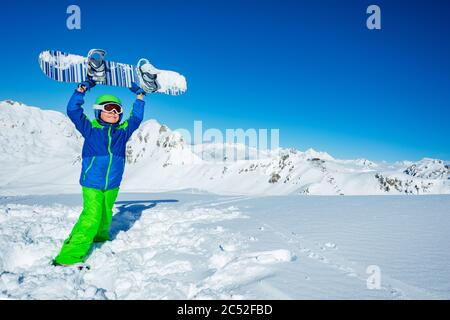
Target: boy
<point>102,167</point>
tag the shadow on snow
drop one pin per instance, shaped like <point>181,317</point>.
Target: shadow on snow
<point>129,212</point>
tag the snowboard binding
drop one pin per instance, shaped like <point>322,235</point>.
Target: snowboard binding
<point>96,67</point>
<point>147,74</point>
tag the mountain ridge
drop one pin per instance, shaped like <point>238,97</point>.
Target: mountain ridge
<point>34,139</point>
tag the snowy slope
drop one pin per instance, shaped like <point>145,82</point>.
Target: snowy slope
<point>30,135</point>
<point>40,153</point>
<point>200,246</point>
<point>239,243</point>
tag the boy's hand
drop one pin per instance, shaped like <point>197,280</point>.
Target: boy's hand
<point>138,91</point>
<point>86,85</point>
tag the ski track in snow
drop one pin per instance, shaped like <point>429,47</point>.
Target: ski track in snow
<point>322,254</point>
<point>181,246</point>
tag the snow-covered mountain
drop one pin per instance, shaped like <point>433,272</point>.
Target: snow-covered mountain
<point>30,134</point>
<point>40,152</point>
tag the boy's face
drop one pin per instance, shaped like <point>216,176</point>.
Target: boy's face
<point>109,117</point>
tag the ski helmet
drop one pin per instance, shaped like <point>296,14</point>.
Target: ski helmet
<point>107,98</point>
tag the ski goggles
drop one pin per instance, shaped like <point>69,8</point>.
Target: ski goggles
<point>109,107</point>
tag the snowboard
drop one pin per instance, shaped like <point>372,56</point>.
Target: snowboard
<point>72,68</point>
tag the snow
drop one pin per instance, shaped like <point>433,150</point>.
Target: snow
<point>63,61</point>
<point>191,224</point>
<point>169,81</point>
<point>40,153</point>
<point>179,245</point>
<point>428,169</point>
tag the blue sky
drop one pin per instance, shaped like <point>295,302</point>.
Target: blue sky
<point>310,68</point>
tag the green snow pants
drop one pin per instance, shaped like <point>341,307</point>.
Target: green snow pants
<point>92,226</point>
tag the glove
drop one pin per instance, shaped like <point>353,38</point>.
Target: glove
<point>87,84</point>
<point>136,89</point>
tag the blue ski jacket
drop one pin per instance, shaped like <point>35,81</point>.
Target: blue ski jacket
<point>104,143</point>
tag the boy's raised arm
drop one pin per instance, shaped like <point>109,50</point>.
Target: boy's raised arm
<point>75,110</point>
<point>137,112</point>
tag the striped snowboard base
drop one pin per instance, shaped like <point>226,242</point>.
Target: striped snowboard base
<point>64,67</point>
